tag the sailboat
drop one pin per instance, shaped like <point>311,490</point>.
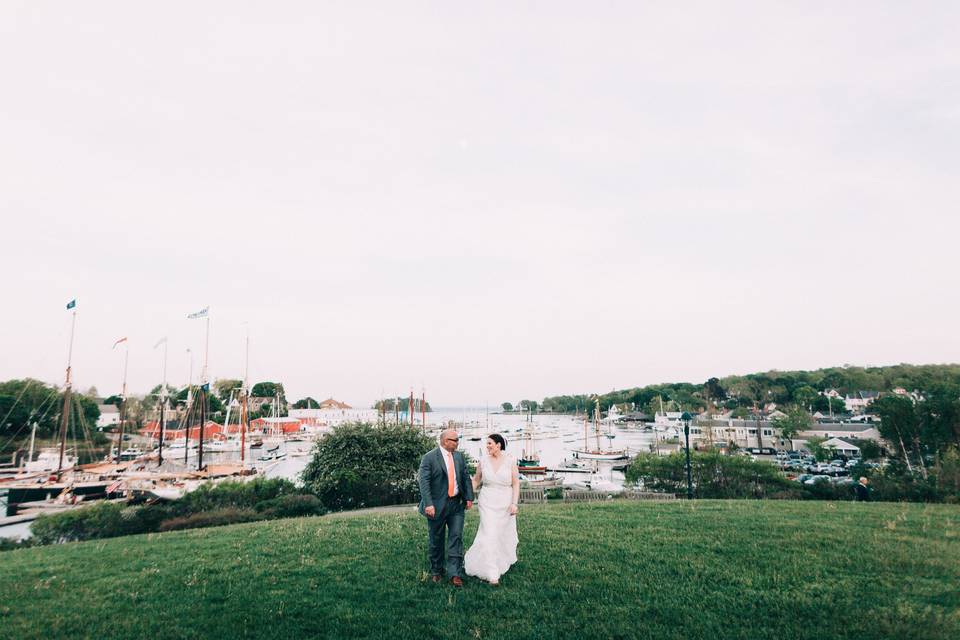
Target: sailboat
<point>529,463</point>
<point>223,443</point>
<point>586,453</point>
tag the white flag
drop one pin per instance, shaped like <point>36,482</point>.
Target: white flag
<point>199,314</point>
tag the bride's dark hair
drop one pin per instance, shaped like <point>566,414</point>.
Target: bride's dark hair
<point>496,437</point>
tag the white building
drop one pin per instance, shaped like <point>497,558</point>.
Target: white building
<point>109,416</point>
<point>842,447</point>
<point>859,401</point>
<point>332,417</point>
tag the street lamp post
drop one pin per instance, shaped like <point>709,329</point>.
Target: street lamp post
<point>686,434</point>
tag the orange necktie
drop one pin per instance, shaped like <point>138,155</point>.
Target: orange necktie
<point>450,475</point>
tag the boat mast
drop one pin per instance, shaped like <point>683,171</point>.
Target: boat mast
<point>123,395</point>
<point>423,409</point>
<point>243,403</point>
<point>188,418</point>
<point>163,404</point>
<point>65,414</point>
<point>33,435</point>
<point>204,387</point>
<point>596,427</point>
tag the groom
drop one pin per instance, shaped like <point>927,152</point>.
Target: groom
<point>445,490</point>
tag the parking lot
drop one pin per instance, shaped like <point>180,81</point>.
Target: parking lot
<point>803,467</point>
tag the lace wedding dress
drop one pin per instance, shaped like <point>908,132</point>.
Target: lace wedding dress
<point>495,547</point>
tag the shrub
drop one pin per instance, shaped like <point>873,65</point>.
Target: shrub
<point>8,544</point>
<point>713,475</point>
<point>362,465</point>
<point>240,495</point>
<point>100,520</point>
<point>291,506</point>
<point>215,518</point>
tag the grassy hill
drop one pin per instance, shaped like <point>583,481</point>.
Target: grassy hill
<point>710,569</point>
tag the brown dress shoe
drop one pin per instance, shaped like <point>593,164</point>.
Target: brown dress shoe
<point>436,578</point>
<point>456,581</point>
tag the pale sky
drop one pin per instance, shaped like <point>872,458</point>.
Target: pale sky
<point>495,200</point>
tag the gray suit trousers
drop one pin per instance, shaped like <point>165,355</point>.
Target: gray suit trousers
<point>448,523</point>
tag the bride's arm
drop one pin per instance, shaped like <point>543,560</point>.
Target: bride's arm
<point>478,478</point>
<point>516,488</point>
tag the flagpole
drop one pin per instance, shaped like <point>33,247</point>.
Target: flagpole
<point>65,414</point>
<point>206,352</point>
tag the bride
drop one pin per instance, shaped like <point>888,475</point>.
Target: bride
<point>495,547</point>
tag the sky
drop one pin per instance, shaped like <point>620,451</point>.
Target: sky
<point>488,201</point>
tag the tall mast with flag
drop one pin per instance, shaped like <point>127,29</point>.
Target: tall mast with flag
<point>204,382</point>
<point>123,392</point>
<point>65,415</point>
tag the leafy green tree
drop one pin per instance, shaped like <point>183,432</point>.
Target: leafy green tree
<point>507,406</point>
<point>825,404</point>
<point>23,402</point>
<point>898,423</point>
<point>363,465</point>
<point>307,403</point>
<point>714,390</point>
<point>225,386</point>
<point>805,396</point>
<point>795,420</point>
<point>714,475</point>
<point>821,453</point>
<point>528,405</point>
<point>939,417</point>
<point>215,407</point>
<point>268,390</point>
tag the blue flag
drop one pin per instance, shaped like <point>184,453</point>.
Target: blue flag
<point>72,304</point>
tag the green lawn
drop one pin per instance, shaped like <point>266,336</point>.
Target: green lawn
<point>710,569</point>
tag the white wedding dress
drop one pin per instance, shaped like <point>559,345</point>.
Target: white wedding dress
<point>495,547</point>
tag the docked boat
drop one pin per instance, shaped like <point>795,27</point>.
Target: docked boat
<point>597,453</point>
<point>48,460</point>
<point>532,470</point>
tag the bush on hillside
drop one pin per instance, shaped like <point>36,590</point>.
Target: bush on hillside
<point>292,506</point>
<point>215,518</point>
<point>363,465</point>
<point>208,505</point>
<point>241,495</point>
<point>100,520</point>
<point>713,475</point>
<point>9,544</point>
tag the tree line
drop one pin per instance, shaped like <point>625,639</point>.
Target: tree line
<point>755,390</point>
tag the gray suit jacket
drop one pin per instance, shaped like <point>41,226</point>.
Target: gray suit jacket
<point>433,480</point>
